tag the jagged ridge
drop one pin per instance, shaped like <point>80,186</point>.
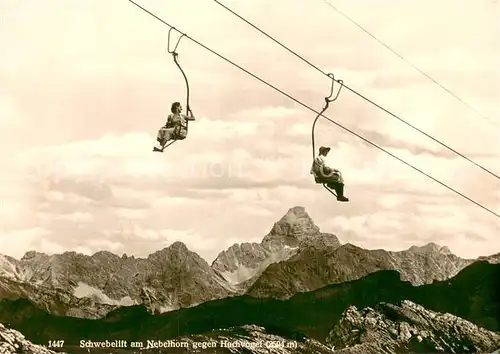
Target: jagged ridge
<point>54,301</point>
<point>167,280</point>
<point>313,268</point>
<point>407,328</point>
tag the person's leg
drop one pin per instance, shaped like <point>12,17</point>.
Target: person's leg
<point>164,136</point>
<point>339,189</point>
<point>168,135</point>
<point>161,135</point>
<point>336,187</point>
<point>181,134</point>
<point>340,178</point>
<point>340,194</point>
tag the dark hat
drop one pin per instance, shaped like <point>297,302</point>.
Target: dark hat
<point>324,149</point>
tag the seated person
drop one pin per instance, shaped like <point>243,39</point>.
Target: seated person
<point>176,126</point>
<point>327,175</point>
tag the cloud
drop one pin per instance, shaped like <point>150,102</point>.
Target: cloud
<point>108,193</point>
<point>77,217</point>
<point>50,247</point>
<point>105,244</point>
<point>18,241</point>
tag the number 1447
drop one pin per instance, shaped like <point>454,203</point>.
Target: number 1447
<point>56,343</point>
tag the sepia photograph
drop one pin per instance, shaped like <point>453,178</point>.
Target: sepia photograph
<point>249,177</point>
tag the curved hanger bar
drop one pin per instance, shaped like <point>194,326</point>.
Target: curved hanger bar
<point>178,41</point>
<point>328,100</point>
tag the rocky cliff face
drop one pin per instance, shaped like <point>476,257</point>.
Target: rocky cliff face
<point>408,328</point>
<point>313,268</point>
<point>241,264</point>
<point>9,267</point>
<point>167,280</point>
<point>57,302</point>
<point>177,278</point>
<point>13,342</point>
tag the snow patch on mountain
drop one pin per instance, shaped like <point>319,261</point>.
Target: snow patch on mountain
<point>84,290</point>
<point>8,268</point>
<point>241,274</point>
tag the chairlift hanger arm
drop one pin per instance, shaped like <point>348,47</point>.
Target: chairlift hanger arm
<point>328,100</point>
<point>175,55</point>
<point>178,41</point>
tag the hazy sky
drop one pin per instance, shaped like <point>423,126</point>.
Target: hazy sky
<point>85,84</point>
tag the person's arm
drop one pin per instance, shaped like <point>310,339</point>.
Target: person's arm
<point>328,169</point>
<point>190,115</point>
<point>319,165</point>
<point>168,124</point>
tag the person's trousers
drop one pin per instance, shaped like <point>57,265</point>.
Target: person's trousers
<point>337,187</point>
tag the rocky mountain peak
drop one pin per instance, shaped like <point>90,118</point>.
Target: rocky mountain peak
<point>178,246</point>
<point>177,255</point>
<point>104,255</point>
<point>430,248</point>
<point>31,255</point>
<point>292,228</point>
<point>241,264</point>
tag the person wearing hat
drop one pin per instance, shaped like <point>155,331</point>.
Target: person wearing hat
<point>327,175</point>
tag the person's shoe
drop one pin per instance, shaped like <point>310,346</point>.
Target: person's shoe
<point>342,199</point>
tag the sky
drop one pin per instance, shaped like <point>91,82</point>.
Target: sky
<point>85,85</point>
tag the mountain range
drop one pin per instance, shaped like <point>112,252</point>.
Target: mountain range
<point>293,257</point>
<point>297,284</point>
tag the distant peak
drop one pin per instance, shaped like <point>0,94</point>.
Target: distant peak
<point>350,246</point>
<point>179,246</point>
<point>297,210</point>
<point>431,247</point>
<point>32,254</point>
<point>103,254</point>
<point>494,258</point>
<point>176,247</point>
<point>292,227</point>
<point>296,215</point>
